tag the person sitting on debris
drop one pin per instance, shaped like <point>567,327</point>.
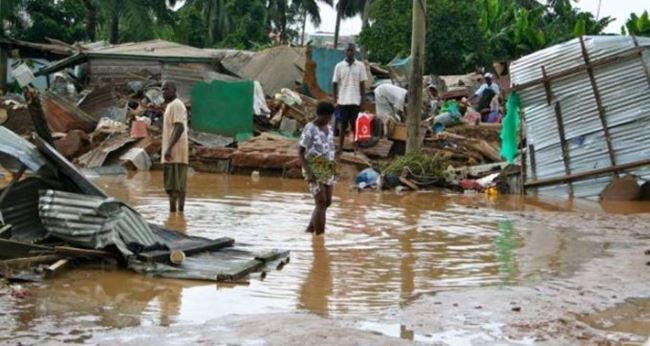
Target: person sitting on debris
<point>390,101</point>
<point>175,148</point>
<point>348,85</point>
<point>485,94</point>
<point>431,100</point>
<point>317,156</point>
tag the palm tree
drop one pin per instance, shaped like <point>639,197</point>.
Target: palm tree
<point>348,9</point>
<point>140,16</point>
<point>309,8</point>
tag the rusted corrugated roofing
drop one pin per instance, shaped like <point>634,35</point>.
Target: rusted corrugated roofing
<point>186,76</point>
<point>63,116</point>
<point>158,49</point>
<point>98,101</point>
<point>97,156</point>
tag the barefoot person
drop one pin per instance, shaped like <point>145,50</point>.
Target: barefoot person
<point>175,155</point>
<point>317,151</point>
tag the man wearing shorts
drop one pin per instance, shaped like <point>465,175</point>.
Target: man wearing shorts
<point>175,148</point>
<point>348,85</point>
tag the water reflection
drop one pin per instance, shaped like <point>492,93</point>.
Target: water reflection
<point>316,289</point>
<point>380,251</point>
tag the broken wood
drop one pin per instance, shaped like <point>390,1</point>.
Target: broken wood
<point>163,256</point>
<point>589,174</point>
<point>409,183</point>
<point>37,115</point>
<point>28,262</point>
<point>10,249</point>
<point>78,252</point>
<point>5,232</point>
<point>51,270</point>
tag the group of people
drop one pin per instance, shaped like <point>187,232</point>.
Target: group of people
<point>317,150</point>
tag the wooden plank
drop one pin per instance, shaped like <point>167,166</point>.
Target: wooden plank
<point>14,249</point>
<point>646,69</point>
<point>78,252</point>
<point>5,232</point>
<point>547,86</point>
<point>599,103</point>
<point>271,255</point>
<point>14,180</point>
<point>533,161</point>
<point>163,256</point>
<point>602,62</point>
<point>58,265</point>
<point>28,262</point>
<point>241,272</point>
<point>563,143</point>
<point>589,174</point>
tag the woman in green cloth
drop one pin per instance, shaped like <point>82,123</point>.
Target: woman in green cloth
<point>317,156</point>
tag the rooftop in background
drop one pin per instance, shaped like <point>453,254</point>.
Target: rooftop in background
<point>153,49</point>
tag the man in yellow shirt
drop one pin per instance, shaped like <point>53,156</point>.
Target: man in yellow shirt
<point>175,146</point>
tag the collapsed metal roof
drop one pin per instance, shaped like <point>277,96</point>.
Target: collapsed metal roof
<point>586,109</point>
<point>16,151</point>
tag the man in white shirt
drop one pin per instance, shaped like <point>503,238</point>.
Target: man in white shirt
<point>390,101</point>
<point>348,85</point>
<point>489,84</point>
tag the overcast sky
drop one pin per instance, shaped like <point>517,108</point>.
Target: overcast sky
<point>619,9</point>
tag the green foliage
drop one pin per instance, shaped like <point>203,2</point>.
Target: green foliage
<point>637,25</point>
<point>62,20</point>
<point>418,165</point>
<point>248,28</point>
<point>390,33</point>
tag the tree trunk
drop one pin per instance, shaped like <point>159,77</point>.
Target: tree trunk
<point>304,25</point>
<point>115,28</point>
<point>91,20</point>
<point>365,20</point>
<point>337,29</point>
<point>414,115</point>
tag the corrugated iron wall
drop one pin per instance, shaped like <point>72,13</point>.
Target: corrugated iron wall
<point>624,91</point>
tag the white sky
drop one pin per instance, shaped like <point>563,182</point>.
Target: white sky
<point>619,9</point>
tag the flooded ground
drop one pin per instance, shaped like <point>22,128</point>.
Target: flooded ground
<point>392,268</point>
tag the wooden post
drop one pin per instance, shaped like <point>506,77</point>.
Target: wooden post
<point>646,70</point>
<point>38,118</point>
<point>4,63</point>
<point>565,150</point>
<point>413,140</point>
<point>533,161</point>
<point>547,86</point>
<point>599,103</point>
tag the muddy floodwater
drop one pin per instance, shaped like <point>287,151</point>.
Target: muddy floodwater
<point>386,261</point>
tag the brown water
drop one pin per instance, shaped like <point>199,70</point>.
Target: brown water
<point>380,251</point>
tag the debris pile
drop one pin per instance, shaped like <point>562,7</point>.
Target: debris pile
<point>246,109</point>
<point>51,217</point>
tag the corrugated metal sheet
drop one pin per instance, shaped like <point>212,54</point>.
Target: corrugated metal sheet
<point>64,116</point>
<point>105,71</point>
<point>158,49</point>
<point>20,209</point>
<point>94,222</point>
<point>98,101</point>
<point>97,157</point>
<point>275,68</point>
<point>625,94</point>
<point>16,151</point>
<point>186,76</point>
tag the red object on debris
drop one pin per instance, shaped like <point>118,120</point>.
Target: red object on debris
<point>363,129</point>
<point>139,129</point>
<point>470,184</point>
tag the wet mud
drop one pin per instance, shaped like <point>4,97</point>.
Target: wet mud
<point>430,268</point>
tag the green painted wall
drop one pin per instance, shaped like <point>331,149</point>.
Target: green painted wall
<point>224,108</point>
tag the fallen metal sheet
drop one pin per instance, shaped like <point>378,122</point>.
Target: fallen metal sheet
<point>67,170</point>
<point>97,157</point>
<point>275,68</point>
<point>94,222</point>
<point>98,101</point>
<point>229,265</point>
<point>64,116</point>
<point>104,170</point>
<point>16,151</point>
<point>624,90</point>
<point>210,140</point>
<point>186,76</point>
<point>20,210</point>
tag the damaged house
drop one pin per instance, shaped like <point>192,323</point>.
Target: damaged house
<point>587,114</point>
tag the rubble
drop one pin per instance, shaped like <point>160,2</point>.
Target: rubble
<point>49,224</point>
